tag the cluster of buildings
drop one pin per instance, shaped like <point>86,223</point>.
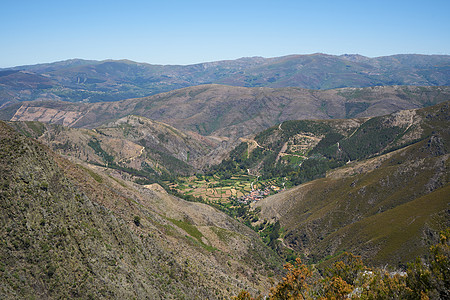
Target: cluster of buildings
<point>256,195</point>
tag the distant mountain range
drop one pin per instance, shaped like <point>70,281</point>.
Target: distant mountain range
<point>94,81</point>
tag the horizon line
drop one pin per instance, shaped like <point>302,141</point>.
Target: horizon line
<point>212,61</point>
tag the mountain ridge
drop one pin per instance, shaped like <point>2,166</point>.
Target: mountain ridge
<point>111,80</point>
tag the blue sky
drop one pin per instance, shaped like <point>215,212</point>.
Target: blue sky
<point>187,32</point>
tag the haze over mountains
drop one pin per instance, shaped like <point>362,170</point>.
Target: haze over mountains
<point>93,81</point>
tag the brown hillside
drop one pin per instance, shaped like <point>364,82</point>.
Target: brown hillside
<point>131,142</point>
<point>235,111</point>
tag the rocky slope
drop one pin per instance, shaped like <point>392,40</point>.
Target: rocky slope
<point>131,142</point>
<point>76,231</point>
<point>94,81</point>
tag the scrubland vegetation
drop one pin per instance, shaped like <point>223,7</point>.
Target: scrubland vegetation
<point>349,278</point>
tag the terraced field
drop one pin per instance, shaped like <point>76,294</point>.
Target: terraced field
<point>214,189</point>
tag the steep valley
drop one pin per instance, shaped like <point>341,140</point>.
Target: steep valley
<point>377,187</point>
<point>355,173</point>
<point>72,231</point>
<point>87,190</point>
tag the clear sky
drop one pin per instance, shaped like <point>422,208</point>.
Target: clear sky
<point>190,31</point>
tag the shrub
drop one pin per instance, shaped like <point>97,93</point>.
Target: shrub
<point>137,220</point>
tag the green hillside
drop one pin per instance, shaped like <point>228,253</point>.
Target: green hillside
<point>387,204</point>
<point>305,150</point>
<point>387,209</point>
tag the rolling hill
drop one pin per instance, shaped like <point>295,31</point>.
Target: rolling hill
<point>305,149</point>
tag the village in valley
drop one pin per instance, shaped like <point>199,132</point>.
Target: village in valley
<point>258,194</point>
<point>243,189</point>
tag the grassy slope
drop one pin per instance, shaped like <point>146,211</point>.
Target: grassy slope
<point>399,233</point>
<point>356,207</point>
